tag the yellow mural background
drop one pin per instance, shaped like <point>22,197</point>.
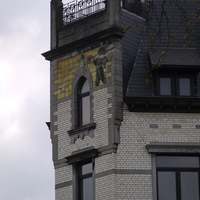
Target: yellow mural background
<point>67,70</point>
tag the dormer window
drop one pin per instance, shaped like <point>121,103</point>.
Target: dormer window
<point>164,85</point>
<point>185,86</point>
<point>174,72</point>
<point>175,84</point>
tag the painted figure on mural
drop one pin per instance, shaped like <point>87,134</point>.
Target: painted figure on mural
<point>100,62</point>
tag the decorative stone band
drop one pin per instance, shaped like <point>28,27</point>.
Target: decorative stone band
<point>82,155</point>
<point>173,147</point>
<point>107,173</point>
<point>99,152</point>
<point>81,132</point>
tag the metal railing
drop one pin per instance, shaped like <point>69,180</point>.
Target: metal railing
<point>138,7</point>
<point>79,9</point>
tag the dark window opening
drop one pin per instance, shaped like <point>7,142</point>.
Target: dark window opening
<point>165,85</point>
<point>178,177</point>
<point>85,182</point>
<point>175,85</point>
<point>185,85</point>
<point>138,7</point>
<point>83,103</point>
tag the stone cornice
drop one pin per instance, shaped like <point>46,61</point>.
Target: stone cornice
<point>79,44</point>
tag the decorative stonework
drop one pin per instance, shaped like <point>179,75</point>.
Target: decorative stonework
<point>81,132</point>
<point>97,61</point>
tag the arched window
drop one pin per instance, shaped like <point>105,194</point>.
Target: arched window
<point>83,102</point>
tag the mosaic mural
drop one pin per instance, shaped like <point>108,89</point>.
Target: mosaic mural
<point>97,61</point>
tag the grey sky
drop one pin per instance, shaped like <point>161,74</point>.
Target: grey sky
<point>25,148</point>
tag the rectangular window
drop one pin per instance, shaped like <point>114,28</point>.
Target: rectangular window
<point>165,85</point>
<point>166,183</point>
<point>175,85</point>
<point>185,85</point>
<point>85,181</point>
<point>178,177</point>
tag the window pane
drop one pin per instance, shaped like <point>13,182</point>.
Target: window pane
<point>166,186</point>
<point>165,86</point>
<point>184,87</point>
<point>189,186</point>
<point>86,110</point>
<point>87,189</point>
<point>86,87</point>
<point>87,168</point>
<point>177,161</point>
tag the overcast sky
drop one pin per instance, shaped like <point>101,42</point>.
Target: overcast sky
<point>26,168</point>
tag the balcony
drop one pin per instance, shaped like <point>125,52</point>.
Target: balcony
<point>138,7</point>
<point>78,9</point>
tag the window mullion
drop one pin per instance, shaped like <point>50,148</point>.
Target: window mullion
<point>178,185</point>
<point>199,181</point>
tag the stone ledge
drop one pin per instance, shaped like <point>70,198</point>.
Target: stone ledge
<point>173,147</point>
<point>81,132</point>
<point>82,155</point>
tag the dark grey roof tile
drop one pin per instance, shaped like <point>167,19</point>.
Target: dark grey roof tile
<point>175,56</point>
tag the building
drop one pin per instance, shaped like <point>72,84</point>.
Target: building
<point>125,106</point>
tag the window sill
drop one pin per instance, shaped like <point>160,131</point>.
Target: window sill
<point>81,132</point>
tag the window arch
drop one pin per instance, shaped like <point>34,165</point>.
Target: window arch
<point>83,102</point>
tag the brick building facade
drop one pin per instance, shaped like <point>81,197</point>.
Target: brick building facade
<point>125,107</point>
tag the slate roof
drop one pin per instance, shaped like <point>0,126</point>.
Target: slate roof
<point>140,74</point>
<point>138,84</point>
<point>175,56</point>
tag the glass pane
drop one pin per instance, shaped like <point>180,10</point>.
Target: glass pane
<point>184,87</point>
<point>86,87</point>
<point>87,189</point>
<point>87,168</point>
<point>86,110</point>
<point>166,186</point>
<point>189,186</point>
<point>165,86</point>
<point>177,161</point>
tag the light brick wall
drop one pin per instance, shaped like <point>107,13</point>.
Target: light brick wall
<point>105,188</point>
<point>105,163</point>
<point>139,129</point>
<point>105,183</point>
<point>133,187</point>
<point>136,133</point>
<point>64,193</point>
<point>64,124</point>
<point>63,174</point>
<point>101,116</point>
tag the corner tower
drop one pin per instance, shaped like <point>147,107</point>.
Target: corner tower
<point>125,99</point>
<point>86,96</point>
